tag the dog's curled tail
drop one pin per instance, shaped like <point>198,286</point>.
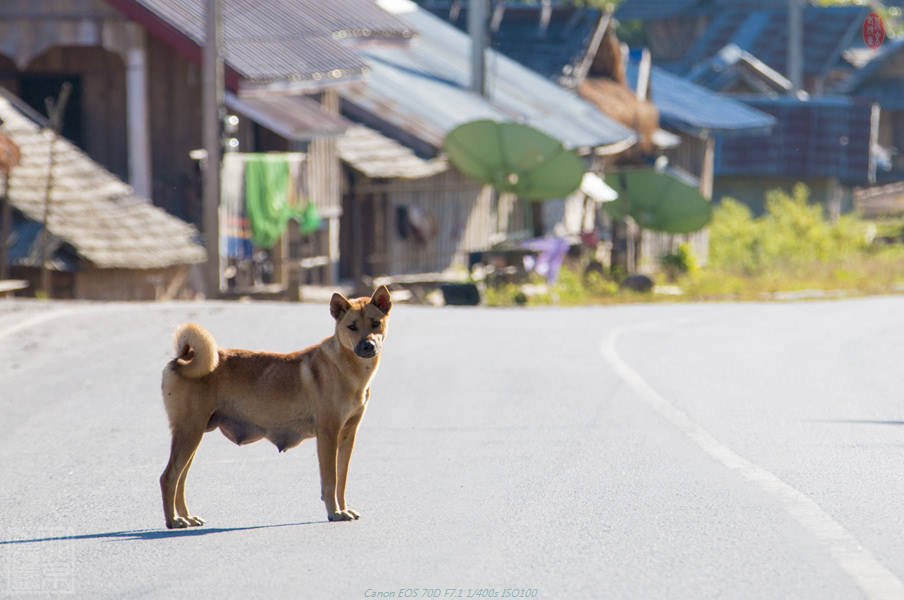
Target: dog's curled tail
<point>196,351</point>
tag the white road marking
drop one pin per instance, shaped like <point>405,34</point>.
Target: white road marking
<point>871,576</point>
<point>53,314</point>
<point>37,319</point>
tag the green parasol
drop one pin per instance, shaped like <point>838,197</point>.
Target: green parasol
<point>514,158</point>
<point>665,201</point>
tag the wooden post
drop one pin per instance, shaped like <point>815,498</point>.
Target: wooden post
<point>706,171</point>
<point>477,29</point>
<point>834,199</point>
<point>795,45</point>
<point>55,115</point>
<point>212,100</point>
<point>332,273</point>
<point>139,134</point>
<point>6,217</point>
<point>357,241</point>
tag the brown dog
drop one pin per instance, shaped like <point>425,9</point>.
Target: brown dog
<point>321,391</point>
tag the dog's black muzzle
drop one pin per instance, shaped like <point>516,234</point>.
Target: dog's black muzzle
<point>367,348</point>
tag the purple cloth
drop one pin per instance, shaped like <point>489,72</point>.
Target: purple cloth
<point>552,251</point>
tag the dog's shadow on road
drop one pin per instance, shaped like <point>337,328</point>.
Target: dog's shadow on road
<point>154,534</point>
<point>858,422</point>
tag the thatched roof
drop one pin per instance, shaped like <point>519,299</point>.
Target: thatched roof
<point>93,211</point>
<point>607,88</point>
<point>622,105</point>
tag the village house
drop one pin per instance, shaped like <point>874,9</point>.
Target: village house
<point>104,241</point>
<point>663,108</point>
<point>135,75</point>
<point>881,81</point>
<point>683,34</point>
<point>300,80</point>
<point>427,217</point>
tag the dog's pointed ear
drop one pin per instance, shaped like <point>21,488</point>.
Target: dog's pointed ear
<point>339,305</point>
<point>381,299</point>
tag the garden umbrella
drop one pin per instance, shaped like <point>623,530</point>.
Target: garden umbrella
<point>514,158</point>
<point>661,200</point>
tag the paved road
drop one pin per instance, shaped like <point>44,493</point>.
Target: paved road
<point>686,451</point>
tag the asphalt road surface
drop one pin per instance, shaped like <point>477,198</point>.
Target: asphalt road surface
<point>658,451</point>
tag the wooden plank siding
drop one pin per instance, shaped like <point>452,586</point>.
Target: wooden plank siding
<point>323,166</point>
<point>462,216</point>
<point>174,105</point>
<point>102,99</point>
<point>133,284</point>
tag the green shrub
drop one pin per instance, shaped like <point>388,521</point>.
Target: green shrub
<point>682,262</point>
<point>792,232</point>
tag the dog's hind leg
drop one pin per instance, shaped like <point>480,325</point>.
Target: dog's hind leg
<point>185,443</point>
<point>181,508</point>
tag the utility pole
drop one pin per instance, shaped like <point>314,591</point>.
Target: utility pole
<point>9,158</point>
<point>55,112</point>
<point>477,28</point>
<point>212,102</point>
<point>795,45</point>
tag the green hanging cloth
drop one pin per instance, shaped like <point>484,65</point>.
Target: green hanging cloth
<point>266,198</point>
<point>309,219</point>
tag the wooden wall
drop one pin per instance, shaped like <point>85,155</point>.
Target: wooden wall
<point>102,98</point>
<point>174,104</point>
<point>462,216</point>
<point>671,38</point>
<point>133,284</point>
<point>323,166</point>
<point>111,284</point>
<point>9,74</point>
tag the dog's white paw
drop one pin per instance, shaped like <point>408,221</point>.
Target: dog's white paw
<point>195,521</point>
<point>353,513</point>
<point>178,523</point>
<point>343,515</point>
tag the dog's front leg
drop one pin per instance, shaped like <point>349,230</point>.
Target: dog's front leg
<point>327,456</point>
<point>346,445</point>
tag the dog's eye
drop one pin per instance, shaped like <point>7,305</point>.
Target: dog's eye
<point>353,327</point>
<point>375,324</point>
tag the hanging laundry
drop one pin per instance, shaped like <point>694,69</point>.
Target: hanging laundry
<point>235,236</point>
<point>266,197</point>
<point>552,251</point>
<point>309,221</point>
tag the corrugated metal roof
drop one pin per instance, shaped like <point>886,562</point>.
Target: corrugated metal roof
<point>376,155</point>
<point>296,118</point>
<point>819,137</point>
<point>688,107</point>
<point>827,30</point>
<point>285,19</point>
<point>91,209</point>
<point>732,65</point>
<point>870,82</point>
<point>267,40</point>
<point>423,89</point>
<point>552,44</point>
